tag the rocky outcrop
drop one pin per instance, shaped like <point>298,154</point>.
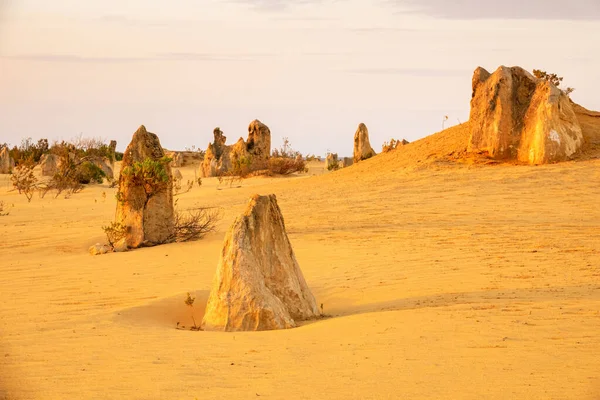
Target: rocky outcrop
<point>331,161</point>
<point>107,166</point>
<point>362,147</point>
<point>258,284</point>
<point>347,161</point>
<point>49,164</point>
<point>259,141</point>
<point>146,210</point>
<point>220,158</point>
<point>176,158</point>
<point>6,161</point>
<point>516,116</point>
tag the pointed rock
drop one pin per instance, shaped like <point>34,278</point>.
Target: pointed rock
<point>146,211</point>
<point>362,147</point>
<point>258,284</point>
<point>6,161</point>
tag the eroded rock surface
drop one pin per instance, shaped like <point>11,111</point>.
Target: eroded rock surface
<point>258,284</point>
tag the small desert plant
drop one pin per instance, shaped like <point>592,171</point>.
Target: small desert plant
<point>115,231</point>
<point>241,166</point>
<point>193,224</point>
<point>553,79</point>
<point>2,213</point>
<point>24,180</point>
<point>189,301</point>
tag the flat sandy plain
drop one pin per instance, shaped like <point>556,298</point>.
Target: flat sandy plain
<point>442,279</point>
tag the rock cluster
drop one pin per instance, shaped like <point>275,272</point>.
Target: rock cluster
<point>220,158</point>
<point>516,116</point>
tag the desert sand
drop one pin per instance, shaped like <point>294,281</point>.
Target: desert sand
<point>441,279</point>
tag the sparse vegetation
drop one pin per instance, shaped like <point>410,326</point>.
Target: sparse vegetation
<point>149,174</point>
<point>285,161</point>
<point>114,232</point>
<point>2,212</point>
<point>189,301</point>
<point>553,79</point>
<point>24,180</point>
<point>194,224</point>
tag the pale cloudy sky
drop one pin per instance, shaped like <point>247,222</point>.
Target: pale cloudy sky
<point>312,70</point>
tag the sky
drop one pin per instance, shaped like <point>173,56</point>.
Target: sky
<point>312,70</point>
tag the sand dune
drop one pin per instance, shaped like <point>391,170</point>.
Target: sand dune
<point>442,280</point>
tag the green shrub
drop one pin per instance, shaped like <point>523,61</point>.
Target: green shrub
<point>151,175</point>
<point>89,172</point>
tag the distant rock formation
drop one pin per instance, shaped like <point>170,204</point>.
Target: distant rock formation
<point>112,148</point>
<point>6,161</point>
<point>347,161</point>
<point>516,116</point>
<point>177,158</point>
<point>362,147</point>
<point>220,158</point>
<point>258,284</point>
<point>393,144</point>
<point>147,213</point>
<point>49,164</point>
<point>107,166</point>
<point>332,162</point>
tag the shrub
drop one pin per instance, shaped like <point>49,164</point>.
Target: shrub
<point>285,160</point>
<point>114,232</point>
<point>286,166</point>
<point>241,166</point>
<point>89,172</point>
<point>29,151</point>
<point>553,79</point>
<point>193,224</point>
<point>2,213</point>
<point>24,180</point>
<point>151,175</point>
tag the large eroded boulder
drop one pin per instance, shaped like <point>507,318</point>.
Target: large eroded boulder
<point>258,284</point>
<point>516,116</point>
<point>221,159</point>
<point>147,214</point>
<point>362,146</point>
<point>6,161</point>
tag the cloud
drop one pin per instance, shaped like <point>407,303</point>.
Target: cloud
<point>70,58</point>
<point>276,5</point>
<point>417,72</point>
<point>507,9</point>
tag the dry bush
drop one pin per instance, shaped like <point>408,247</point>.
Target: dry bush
<point>285,160</point>
<point>2,213</point>
<point>114,232</point>
<point>553,79</point>
<point>193,224</point>
<point>286,166</point>
<point>24,180</point>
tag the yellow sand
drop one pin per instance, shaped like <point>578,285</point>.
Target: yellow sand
<point>443,280</point>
